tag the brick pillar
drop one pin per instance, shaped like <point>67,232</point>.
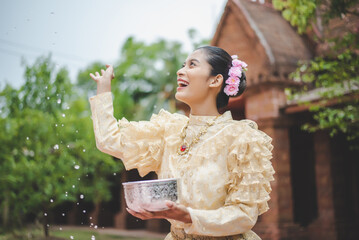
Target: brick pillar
<point>324,226</point>
<point>275,223</point>
<point>263,106</point>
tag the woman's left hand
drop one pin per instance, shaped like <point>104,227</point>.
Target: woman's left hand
<point>176,212</point>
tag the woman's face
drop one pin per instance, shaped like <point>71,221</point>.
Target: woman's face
<point>193,79</point>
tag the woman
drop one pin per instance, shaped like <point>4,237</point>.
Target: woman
<point>224,165</point>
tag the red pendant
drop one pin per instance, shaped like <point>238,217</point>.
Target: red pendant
<point>183,148</point>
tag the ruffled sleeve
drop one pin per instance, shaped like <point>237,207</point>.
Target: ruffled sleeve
<point>138,144</point>
<point>250,168</point>
<point>248,185</point>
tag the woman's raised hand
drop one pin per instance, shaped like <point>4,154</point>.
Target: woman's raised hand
<point>103,80</point>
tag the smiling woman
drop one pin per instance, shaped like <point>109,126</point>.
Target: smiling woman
<point>223,165</point>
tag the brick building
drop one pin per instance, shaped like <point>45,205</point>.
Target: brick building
<point>316,191</point>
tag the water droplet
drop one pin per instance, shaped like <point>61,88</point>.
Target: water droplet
<point>77,203</point>
<point>27,138</point>
<point>51,200</point>
<point>45,87</point>
<point>77,167</point>
<point>93,237</point>
<point>91,218</point>
<point>73,186</point>
<point>45,214</point>
<point>114,174</point>
<point>95,227</point>
<point>48,98</point>
<point>78,179</point>
<point>155,106</point>
<point>68,145</point>
<point>84,211</point>
<point>56,125</point>
<point>63,115</point>
<point>48,225</point>
<point>66,194</point>
<point>82,196</point>
<point>59,101</point>
<point>84,150</point>
<point>56,146</point>
<point>63,214</point>
<point>62,125</point>
<point>77,131</point>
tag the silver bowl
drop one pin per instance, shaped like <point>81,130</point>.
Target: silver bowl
<point>150,195</point>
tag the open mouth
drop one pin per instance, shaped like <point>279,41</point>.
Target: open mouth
<point>182,83</point>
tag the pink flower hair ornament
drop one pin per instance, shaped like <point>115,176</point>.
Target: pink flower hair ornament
<point>235,73</point>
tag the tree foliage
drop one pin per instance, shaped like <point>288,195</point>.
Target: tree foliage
<point>48,154</point>
<point>333,75</point>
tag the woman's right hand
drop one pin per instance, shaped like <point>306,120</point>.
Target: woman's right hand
<point>103,80</point>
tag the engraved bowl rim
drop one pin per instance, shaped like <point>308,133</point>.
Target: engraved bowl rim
<point>142,182</point>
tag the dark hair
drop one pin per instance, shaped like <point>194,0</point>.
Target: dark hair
<point>221,62</point>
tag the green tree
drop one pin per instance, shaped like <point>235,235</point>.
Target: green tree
<point>148,73</point>
<point>48,153</point>
<point>334,72</point>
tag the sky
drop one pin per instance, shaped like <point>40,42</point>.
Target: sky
<point>82,31</point>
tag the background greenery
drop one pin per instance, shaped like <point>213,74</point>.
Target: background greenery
<point>334,71</point>
<point>48,152</point>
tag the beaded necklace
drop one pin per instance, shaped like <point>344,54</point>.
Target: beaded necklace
<point>185,147</point>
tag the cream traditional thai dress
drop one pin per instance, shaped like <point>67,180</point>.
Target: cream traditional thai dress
<point>225,177</point>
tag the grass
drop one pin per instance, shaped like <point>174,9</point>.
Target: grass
<point>87,234</point>
<point>65,234</point>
